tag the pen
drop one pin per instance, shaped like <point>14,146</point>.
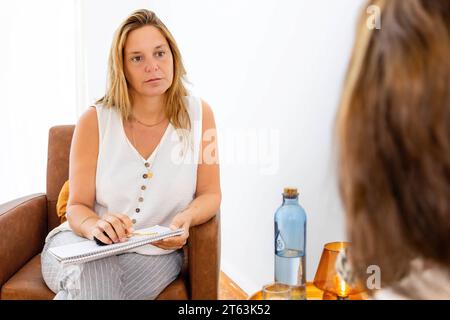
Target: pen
<point>143,234</point>
<point>129,236</point>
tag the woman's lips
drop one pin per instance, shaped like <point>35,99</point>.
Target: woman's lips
<point>152,80</point>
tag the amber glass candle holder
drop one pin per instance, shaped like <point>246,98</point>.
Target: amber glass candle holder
<point>327,278</point>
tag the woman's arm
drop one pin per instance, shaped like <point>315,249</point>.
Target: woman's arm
<point>208,194</point>
<point>82,171</point>
<point>82,168</point>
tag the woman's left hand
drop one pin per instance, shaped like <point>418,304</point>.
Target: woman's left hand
<point>182,220</point>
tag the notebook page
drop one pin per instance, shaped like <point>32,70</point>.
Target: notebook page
<point>89,247</point>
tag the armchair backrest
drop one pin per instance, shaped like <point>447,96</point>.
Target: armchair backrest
<point>59,142</point>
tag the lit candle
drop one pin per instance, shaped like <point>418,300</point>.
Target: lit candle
<point>341,286</point>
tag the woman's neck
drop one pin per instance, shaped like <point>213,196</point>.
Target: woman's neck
<point>148,109</point>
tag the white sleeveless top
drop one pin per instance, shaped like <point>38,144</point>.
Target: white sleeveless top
<point>150,191</point>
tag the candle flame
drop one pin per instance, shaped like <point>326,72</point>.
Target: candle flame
<point>341,286</point>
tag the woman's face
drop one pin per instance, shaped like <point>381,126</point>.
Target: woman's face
<point>148,62</point>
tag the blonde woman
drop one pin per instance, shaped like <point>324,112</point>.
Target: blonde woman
<point>136,160</point>
<point>394,138</point>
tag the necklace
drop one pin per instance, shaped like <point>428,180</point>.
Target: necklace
<point>148,125</point>
<point>136,146</point>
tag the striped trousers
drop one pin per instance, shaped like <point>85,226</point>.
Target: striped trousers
<point>120,277</point>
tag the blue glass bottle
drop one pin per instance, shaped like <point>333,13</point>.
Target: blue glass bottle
<point>290,244</point>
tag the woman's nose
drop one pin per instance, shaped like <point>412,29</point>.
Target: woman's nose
<point>151,66</point>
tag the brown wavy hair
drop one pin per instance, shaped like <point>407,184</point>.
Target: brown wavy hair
<point>393,132</point>
<point>117,95</point>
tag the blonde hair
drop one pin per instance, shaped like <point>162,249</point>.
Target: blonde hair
<point>117,94</point>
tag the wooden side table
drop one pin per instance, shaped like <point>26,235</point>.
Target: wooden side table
<point>312,293</point>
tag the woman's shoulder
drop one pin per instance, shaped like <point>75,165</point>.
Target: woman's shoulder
<point>101,108</point>
<point>88,118</point>
<point>192,101</point>
<point>95,117</point>
<point>193,106</point>
<point>104,113</point>
<point>198,105</point>
<point>425,280</point>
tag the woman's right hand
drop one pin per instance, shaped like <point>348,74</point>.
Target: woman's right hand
<point>116,225</point>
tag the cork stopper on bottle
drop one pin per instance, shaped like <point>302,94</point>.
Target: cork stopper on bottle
<point>290,193</point>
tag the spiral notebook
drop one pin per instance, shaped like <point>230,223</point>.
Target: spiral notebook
<point>88,250</point>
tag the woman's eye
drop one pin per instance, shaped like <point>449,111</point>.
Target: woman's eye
<point>160,53</point>
<point>136,59</point>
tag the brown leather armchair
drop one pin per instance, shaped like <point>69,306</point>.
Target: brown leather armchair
<point>25,222</point>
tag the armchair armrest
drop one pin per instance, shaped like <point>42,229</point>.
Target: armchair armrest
<point>23,228</point>
<point>204,259</point>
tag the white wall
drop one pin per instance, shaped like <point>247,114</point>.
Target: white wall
<point>272,70</point>
<point>37,88</point>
